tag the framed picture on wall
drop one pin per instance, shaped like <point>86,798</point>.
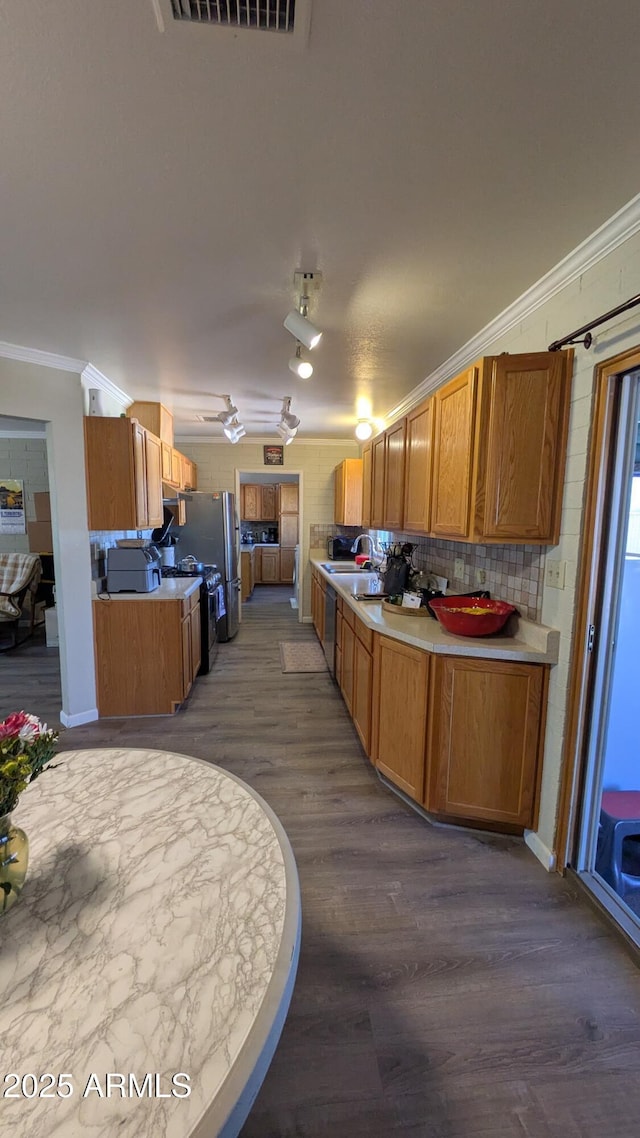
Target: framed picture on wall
<point>273,455</point>
<point>12,517</point>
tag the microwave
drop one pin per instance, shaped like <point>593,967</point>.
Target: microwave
<point>339,549</point>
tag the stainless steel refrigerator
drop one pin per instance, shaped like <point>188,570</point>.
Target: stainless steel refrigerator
<point>212,534</point>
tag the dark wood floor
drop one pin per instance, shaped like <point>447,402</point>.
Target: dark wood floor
<point>448,987</point>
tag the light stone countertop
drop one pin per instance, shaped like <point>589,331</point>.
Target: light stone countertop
<point>527,641</point>
<point>169,589</point>
<point>158,931</point>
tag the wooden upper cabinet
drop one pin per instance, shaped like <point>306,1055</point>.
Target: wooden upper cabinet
<point>418,458</point>
<point>153,479</point>
<point>155,417</point>
<point>523,404</point>
<point>347,496</point>
<point>377,482</point>
<point>250,502</point>
<point>167,463</point>
<point>367,456</point>
<point>269,508</point>
<point>176,468</point>
<point>288,530</point>
<point>288,498</point>
<point>487,726</point>
<point>453,442</point>
<point>394,462</point>
<point>124,474</point>
<point>188,473</point>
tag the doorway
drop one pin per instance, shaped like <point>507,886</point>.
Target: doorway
<point>270,514</point>
<point>605,847</point>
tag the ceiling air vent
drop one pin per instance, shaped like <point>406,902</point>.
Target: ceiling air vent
<point>264,15</point>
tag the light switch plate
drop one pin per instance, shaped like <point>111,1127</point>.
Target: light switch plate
<point>458,569</point>
<point>555,573</point>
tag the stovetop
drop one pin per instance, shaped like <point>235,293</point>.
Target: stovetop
<point>210,576</point>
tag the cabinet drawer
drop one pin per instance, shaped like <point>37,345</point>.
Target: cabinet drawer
<point>364,634</point>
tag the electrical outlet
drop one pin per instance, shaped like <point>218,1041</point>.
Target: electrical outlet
<point>555,573</point>
<point>480,576</point>
<point>458,569</point>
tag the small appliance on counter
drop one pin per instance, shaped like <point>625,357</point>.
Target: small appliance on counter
<point>339,549</point>
<point>133,569</point>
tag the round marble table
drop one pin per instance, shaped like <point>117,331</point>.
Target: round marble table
<point>153,950</point>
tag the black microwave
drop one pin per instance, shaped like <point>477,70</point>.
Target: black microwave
<point>339,549</point>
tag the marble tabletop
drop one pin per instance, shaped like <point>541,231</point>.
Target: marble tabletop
<point>157,935</point>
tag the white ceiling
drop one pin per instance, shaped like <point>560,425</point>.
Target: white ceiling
<point>431,159</point>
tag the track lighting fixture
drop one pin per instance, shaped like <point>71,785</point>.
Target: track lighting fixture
<point>288,426</point>
<point>364,429</point>
<point>227,417</point>
<point>234,431</point>
<point>302,368</point>
<point>297,321</point>
<point>286,435</point>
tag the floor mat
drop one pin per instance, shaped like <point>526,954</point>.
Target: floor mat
<point>300,656</point>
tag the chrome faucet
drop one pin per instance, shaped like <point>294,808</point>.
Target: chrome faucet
<point>373,548</point>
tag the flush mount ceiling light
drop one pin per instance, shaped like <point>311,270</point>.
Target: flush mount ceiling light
<point>302,368</point>
<point>297,321</point>
<point>364,429</point>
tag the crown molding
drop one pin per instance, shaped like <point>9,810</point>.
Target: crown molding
<point>35,356</point>
<point>263,440</point>
<point>91,377</point>
<point>619,228</point>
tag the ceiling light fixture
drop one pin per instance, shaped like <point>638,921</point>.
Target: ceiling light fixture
<point>227,417</point>
<point>302,368</point>
<point>364,429</point>
<point>297,321</point>
<point>288,426</point>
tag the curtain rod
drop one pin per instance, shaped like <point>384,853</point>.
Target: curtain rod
<point>588,339</point>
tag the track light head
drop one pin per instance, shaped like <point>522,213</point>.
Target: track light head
<point>302,368</point>
<point>302,329</point>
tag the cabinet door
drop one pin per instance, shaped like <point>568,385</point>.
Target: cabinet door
<point>251,502</point>
<point>187,473</point>
<point>176,468</point>
<point>377,482</point>
<point>111,482</point>
<point>287,560</point>
<point>417,487</point>
<point>401,676</point>
<point>362,688</point>
<point>394,448</point>
<point>487,720</point>
<point>367,472</point>
<point>454,408</point>
<point>339,625</point>
<point>140,475</point>
<point>348,654</point>
<point>347,494</point>
<point>524,408</point>
<point>196,643</point>
<point>167,468</point>
<point>187,678</point>
<point>257,554</point>
<point>245,574</point>
<point>268,506</point>
<point>288,497</point>
<point>338,494</point>
<point>288,529</point>
<point>270,566</point>
<point>153,463</point>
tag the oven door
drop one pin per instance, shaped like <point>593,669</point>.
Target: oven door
<point>208,630</point>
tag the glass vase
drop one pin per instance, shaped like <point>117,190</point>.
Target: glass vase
<point>14,859</point>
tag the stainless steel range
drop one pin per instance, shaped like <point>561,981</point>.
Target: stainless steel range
<point>211,604</point>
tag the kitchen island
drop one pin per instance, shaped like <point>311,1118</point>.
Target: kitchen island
<point>157,934</point>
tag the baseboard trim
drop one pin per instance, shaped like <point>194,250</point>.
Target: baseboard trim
<point>80,718</point>
<point>542,852</point>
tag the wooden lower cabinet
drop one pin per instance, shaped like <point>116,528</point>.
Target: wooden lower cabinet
<point>348,653</point>
<point>270,567</point>
<point>362,687</point>
<point>287,562</point>
<point>400,694</point>
<point>486,737</point>
<point>247,572</point>
<point>147,654</point>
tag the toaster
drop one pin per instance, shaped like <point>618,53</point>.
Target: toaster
<point>339,549</point>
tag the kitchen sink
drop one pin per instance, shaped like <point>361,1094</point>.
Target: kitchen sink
<point>344,567</point>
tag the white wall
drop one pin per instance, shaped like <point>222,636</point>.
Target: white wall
<point>217,463</point>
<point>56,397</point>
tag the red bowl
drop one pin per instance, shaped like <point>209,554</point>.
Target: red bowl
<point>471,616</point>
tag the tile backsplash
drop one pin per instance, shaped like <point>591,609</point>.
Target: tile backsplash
<point>513,573</point>
<point>319,534</point>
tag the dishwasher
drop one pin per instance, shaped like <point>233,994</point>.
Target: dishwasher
<point>329,638</point>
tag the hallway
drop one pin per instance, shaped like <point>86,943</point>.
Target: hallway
<point>448,987</point>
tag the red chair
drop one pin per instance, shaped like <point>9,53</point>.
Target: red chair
<point>619,819</point>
